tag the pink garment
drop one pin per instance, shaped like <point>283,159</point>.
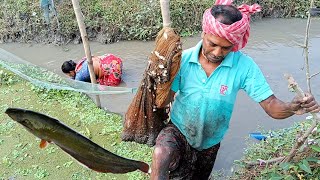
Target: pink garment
<point>111,69</point>
<point>238,32</point>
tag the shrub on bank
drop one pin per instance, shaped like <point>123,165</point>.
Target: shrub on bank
<point>109,21</point>
<point>304,165</point>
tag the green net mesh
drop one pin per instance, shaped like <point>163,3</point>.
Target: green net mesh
<point>44,78</point>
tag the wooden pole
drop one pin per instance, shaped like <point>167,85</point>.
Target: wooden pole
<point>165,11</point>
<point>85,41</point>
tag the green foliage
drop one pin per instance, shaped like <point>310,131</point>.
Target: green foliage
<point>20,155</point>
<point>109,21</point>
<point>284,8</point>
<point>40,172</point>
<point>305,165</point>
<point>19,20</point>
<point>7,78</point>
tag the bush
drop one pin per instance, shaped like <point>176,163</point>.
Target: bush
<point>109,21</point>
<point>305,164</point>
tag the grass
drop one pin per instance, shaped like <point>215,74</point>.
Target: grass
<point>20,155</point>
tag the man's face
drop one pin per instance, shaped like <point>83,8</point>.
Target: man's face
<point>215,48</point>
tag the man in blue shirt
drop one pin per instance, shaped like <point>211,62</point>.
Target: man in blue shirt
<point>204,91</point>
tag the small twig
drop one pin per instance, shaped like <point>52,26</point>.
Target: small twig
<point>299,44</point>
<point>314,74</point>
<point>260,161</point>
<point>303,138</point>
<point>306,49</point>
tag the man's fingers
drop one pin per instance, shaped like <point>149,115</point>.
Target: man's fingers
<point>300,111</point>
<point>301,105</point>
<point>315,109</point>
<point>309,105</point>
<point>308,98</point>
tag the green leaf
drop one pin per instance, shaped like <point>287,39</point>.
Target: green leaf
<point>312,159</point>
<point>286,166</point>
<point>316,148</point>
<point>304,165</point>
<point>275,176</point>
<point>289,177</point>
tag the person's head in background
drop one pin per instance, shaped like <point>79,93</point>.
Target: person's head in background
<point>68,68</point>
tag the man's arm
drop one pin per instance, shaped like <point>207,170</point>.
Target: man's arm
<point>278,109</point>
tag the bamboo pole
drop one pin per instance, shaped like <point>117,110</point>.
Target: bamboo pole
<point>85,41</point>
<point>165,11</point>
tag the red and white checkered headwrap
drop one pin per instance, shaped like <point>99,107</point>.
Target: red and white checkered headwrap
<point>238,32</point>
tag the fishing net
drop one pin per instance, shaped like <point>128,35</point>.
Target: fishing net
<point>145,118</point>
<point>44,78</point>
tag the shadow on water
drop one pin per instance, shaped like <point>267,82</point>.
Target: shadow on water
<point>273,44</point>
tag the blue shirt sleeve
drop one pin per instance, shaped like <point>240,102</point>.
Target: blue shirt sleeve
<point>256,85</point>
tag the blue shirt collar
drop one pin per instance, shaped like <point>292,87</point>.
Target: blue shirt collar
<point>228,61</point>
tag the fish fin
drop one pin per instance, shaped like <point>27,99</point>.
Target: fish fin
<point>43,144</point>
<point>144,167</point>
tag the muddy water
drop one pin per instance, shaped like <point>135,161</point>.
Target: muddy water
<point>274,44</point>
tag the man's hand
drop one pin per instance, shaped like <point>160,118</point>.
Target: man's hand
<point>300,105</point>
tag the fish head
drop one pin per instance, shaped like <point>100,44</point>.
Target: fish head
<point>32,121</point>
<point>14,113</point>
<point>22,117</point>
<point>19,115</point>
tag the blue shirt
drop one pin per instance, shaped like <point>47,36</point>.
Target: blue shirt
<point>203,105</point>
<point>83,74</point>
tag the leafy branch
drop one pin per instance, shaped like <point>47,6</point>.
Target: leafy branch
<point>293,85</point>
<point>301,140</point>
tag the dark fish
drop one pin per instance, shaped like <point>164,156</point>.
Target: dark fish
<point>81,148</point>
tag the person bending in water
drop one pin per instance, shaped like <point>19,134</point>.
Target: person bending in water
<point>107,68</point>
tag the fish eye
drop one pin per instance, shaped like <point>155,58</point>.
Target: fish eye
<point>25,121</point>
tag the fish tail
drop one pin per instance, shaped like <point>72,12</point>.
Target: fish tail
<point>144,167</point>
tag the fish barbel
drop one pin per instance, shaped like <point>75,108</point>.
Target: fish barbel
<point>79,147</point>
